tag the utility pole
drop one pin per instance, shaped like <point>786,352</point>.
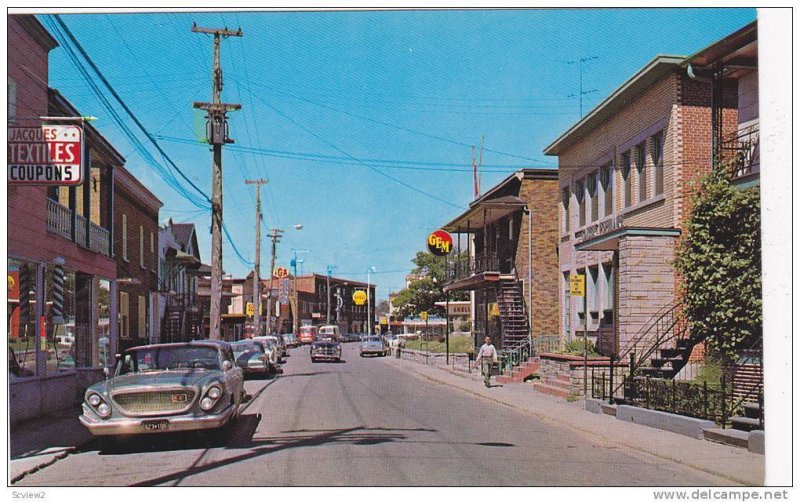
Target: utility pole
<point>275,235</point>
<point>476,179</point>
<point>581,92</point>
<point>328,288</point>
<point>217,135</point>
<point>257,260</point>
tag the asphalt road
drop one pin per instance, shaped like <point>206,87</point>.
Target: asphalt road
<point>363,422</point>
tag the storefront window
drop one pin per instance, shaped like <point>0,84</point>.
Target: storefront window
<point>21,319</point>
<point>101,341</point>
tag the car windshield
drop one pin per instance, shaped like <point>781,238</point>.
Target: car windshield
<point>242,347</point>
<point>168,358</point>
<point>325,337</point>
<point>374,339</point>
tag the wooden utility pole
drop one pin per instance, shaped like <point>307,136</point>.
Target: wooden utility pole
<point>217,135</point>
<point>275,235</point>
<point>257,260</point>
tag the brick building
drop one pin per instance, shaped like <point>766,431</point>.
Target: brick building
<point>627,171</point>
<point>312,303</point>
<point>136,253</point>
<point>513,267</point>
<point>51,362</point>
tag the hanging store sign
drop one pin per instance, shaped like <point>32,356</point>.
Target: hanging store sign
<point>440,243</point>
<point>50,155</point>
<point>280,272</point>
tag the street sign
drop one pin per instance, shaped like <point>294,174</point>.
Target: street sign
<point>577,284</point>
<point>250,310</point>
<point>423,315</point>
<point>49,155</point>
<point>359,297</point>
<point>280,272</point>
<point>440,243</point>
<point>283,291</point>
<point>384,321</point>
<point>494,309</point>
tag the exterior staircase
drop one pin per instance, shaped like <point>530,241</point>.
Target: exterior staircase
<point>557,385</point>
<point>513,315</point>
<point>669,361</point>
<point>519,373</point>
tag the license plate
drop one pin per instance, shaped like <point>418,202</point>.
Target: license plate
<point>155,425</point>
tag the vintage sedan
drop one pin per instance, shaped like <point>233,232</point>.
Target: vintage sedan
<point>326,344</point>
<point>373,345</point>
<point>166,387</point>
<point>253,358</point>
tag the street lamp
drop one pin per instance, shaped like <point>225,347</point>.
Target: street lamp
<point>369,320</point>
<point>296,307</point>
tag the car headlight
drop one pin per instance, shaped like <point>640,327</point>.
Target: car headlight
<point>210,400</point>
<point>97,403</point>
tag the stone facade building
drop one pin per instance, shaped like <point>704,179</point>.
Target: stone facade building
<point>627,172</point>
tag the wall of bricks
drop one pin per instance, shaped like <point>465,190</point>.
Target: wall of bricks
<point>542,197</point>
<point>137,214</point>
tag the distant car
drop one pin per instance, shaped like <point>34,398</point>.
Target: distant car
<point>307,334</point>
<point>166,387</point>
<point>326,344</point>
<point>290,340</point>
<point>350,337</point>
<point>279,344</point>
<point>394,341</point>
<point>373,345</point>
<point>252,357</point>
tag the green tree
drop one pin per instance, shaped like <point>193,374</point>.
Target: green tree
<point>427,288</point>
<point>720,262</point>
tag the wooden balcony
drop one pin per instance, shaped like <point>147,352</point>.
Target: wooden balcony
<point>60,222</point>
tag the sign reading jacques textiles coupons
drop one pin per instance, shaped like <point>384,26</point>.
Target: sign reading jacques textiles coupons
<point>49,155</point>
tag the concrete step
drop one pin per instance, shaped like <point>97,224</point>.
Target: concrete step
<point>745,424</point>
<point>548,389</point>
<point>752,410</point>
<point>731,437</point>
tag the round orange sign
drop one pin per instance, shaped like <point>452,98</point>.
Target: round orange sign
<point>440,243</point>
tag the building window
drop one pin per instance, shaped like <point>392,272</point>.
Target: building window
<point>581,203</point>
<point>641,170</point>
<point>12,100</point>
<point>593,197</point>
<point>153,257</point>
<point>592,292</point>
<point>142,318</point>
<point>608,304</point>
<point>657,154</point>
<point>124,237</point>
<point>626,177</point>
<point>606,182</point>
<point>124,314</point>
<point>141,246</point>
<point>565,195</point>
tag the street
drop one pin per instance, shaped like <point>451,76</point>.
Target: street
<point>368,422</point>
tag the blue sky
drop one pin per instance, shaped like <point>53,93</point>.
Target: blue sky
<point>363,121</point>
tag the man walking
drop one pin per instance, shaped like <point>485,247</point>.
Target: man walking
<point>487,356</point>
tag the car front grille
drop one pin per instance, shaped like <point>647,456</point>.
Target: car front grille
<point>330,352</point>
<point>150,402</point>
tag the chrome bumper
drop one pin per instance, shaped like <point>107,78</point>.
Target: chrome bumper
<point>177,423</point>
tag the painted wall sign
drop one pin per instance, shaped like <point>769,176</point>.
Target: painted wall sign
<point>50,155</point>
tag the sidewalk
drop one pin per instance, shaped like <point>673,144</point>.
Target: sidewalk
<point>736,464</point>
<point>42,441</point>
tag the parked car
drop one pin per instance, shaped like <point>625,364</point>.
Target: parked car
<point>373,345</point>
<point>394,341</point>
<point>290,340</point>
<point>326,344</point>
<point>166,387</point>
<point>252,357</point>
<point>277,340</point>
<point>307,334</point>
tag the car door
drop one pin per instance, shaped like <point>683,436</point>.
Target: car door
<point>234,377</point>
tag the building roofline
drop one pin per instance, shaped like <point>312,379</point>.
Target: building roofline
<point>138,189</point>
<point>654,70</point>
<point>729,43</point>
<point>37,30</point>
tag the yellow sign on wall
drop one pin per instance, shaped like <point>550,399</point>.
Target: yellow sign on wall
<point>494,309</point>
<point>250,310</point>
<point>359,297</point>
<point>577,285</point>
<point>423,315</point>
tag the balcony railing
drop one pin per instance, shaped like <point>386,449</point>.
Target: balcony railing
<point>59,222</point>
<point>59,219</point>
<point>484,262</point>
<point>742,151</point>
